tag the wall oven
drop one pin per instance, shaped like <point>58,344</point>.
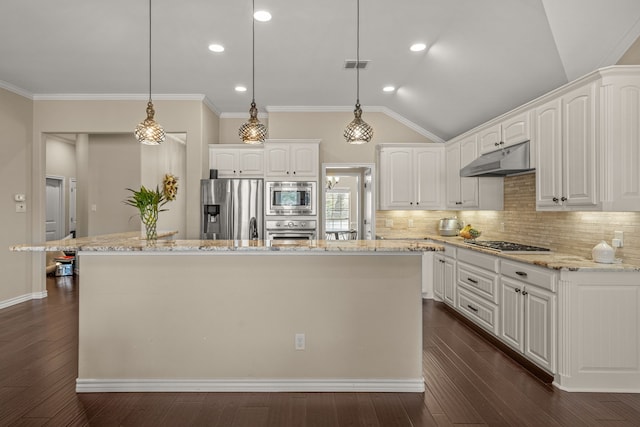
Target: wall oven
<point>290,198</point>
<point>285,229</point>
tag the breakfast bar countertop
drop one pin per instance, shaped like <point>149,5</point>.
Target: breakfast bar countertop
<point>132,242</point>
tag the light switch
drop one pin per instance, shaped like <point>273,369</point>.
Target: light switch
<point>19,197</point>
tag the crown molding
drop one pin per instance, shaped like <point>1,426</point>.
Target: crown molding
<point>244,115</point>
<point>211,106</point>
<point>15,89</point>
<point>116,97</point>
<point>371,109</point>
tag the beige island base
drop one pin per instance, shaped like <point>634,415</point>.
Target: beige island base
<point>249,316</point>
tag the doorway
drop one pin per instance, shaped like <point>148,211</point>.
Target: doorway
<point>348,201</point>
<point>54,222</point>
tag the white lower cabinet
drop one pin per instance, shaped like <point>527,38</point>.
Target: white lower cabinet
<point>528,312</point>
<point>477,282</point>
<point>444,276</point>
<point>528,321</point>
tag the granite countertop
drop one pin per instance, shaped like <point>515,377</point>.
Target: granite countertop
<point>552,260</point>
<point>132,242</point>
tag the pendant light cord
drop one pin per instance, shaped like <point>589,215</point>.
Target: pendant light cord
<point>149,50</point>
<point>358,52</point>
<point>253,51</point>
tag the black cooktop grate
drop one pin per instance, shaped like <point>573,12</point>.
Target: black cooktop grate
<point>503,246</point>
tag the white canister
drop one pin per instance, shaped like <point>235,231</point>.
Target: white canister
<point>603,253</point>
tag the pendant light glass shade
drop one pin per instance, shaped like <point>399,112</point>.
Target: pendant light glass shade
<point>149,132</point>
<point>358,131</point>
<point>252,131</point>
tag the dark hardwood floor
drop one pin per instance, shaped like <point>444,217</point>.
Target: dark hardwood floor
<point>468,383</point>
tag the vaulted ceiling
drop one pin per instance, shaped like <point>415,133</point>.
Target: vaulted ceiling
<point>482,58</point>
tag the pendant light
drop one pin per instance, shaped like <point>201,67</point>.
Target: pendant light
<point>358,131</point>
<point>149,132</point>
<point>252,131</point>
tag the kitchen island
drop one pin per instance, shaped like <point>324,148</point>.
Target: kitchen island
<point>191,315</point>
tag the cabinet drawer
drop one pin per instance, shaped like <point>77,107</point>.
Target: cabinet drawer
<point>480,281</point>
<point>542,277</point>
<point>488,262</point>
<point>479,311</point>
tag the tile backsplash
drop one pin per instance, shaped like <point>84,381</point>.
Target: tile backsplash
<point>574,233</point>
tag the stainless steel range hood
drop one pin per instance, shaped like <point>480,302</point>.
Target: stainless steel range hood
<point>508,161</point>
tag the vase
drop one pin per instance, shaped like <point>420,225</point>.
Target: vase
<point>150,221</point>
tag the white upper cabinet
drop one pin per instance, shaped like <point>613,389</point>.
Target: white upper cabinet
<point>292,160</point>
<point>620,109</point>
<point>510,131</point>
<point>411,176</point>
<point>236,161</point>
<point>469,192</point>
<point>566,150</point>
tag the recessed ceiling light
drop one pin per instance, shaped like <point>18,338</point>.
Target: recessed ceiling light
<point>388,88</point>
<point>418,47</point>
<point>241,89</point>
<point>262,16</point>
<point>216,48</point>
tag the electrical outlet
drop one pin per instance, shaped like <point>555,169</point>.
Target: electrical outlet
<point>21,207</point>
<point>410,223</point>
<point>618,237</point>
<point>300,341</point>
<point>388,223</point>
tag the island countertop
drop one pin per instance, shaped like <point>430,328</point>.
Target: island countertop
<point>132,242</point>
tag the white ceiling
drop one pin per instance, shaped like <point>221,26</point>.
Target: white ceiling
<point>484,58</point>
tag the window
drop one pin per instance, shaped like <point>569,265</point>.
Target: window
<point>337,210</point>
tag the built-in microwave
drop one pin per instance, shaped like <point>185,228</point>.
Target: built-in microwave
<point>290,198</point>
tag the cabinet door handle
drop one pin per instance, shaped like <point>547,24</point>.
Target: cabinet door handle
<point>417,203</point>
<point>410,203</point>
<point>472,308</point>
<point>294,172</point>
<point>517,290</point>
<point>555,200</point>
<point>564,199</point>
<point>234,171</point>
<point>441,260</point>
<point>472,280</point>
<point>287,172</point>
<point>458,203</point>
<point>525,293</point>
<point>521,273</point>
<point>240,172</point>
<point>496,143</point>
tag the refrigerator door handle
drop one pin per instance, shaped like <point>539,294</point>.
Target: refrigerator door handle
<point>253,228</point>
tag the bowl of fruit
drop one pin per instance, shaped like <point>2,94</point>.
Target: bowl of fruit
<point>469,233</point>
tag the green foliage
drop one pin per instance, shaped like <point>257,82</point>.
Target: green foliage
<point>144,198</point>
<point>148,203</point>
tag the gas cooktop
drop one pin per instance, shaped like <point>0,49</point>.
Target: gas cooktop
<point>502,246</point>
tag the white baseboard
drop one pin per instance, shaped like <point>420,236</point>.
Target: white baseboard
<point>22,298</point>
<point>251,385</point>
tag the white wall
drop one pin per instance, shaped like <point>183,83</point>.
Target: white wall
<point>114,166</point>
<point>158,161</point>
<point>15,175</point>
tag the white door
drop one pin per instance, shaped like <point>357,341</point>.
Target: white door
<point>72,205</point>
<point>55,209</point>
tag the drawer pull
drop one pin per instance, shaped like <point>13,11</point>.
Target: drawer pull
<point>472,308</point>
<point>472,280</point>
<point>525,293</point>
<point>517,290</point>
<point>521,273</point>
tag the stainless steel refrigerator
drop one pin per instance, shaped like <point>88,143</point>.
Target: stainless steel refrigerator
<point>231,209</point>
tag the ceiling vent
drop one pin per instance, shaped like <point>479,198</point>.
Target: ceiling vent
<point>350,64</point>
